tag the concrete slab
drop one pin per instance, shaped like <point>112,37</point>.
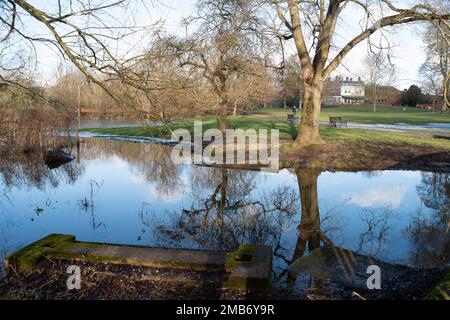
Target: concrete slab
<point>254,274</point>
<point>153,257</point>
<point>249,267</point>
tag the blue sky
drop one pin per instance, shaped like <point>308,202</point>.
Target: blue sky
<point>408,53</point>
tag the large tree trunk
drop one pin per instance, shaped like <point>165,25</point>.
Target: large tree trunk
<point>310,218</point>
<point>444,105</point>
<point>223,113</point>
<point>309,125</point>
<point>374,98</point>
<point>223,195</point>
<point>434,101</point>
<point>309,228</point>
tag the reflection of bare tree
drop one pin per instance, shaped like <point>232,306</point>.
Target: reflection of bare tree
<point>434,191</point>
<point>227,213</point>
<point>218,199</point>
<point>151,161</point>
<point>30,170</point>
<point>371,174</point>
<point>377,222</point>
<point>220,189</point>
<point>430,234</point>
<point>310,235</point>
<point>431,241</point>
<point>88,205</point>
<point>6,226</point>
<point>309,228</point>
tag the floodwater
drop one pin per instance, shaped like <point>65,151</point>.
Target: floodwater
<point>438,128</point>
<point>90,124</point>
<point>132,193</point>
<point>405,126</point>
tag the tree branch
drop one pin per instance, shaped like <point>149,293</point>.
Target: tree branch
<point>406,16</point>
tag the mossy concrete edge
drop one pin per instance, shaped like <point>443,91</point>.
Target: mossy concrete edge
<point>441,290</point>
<point>249,267</point>
<point>26,258</point>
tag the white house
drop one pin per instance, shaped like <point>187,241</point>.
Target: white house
<point>340,91</point>
<point>352,92</point>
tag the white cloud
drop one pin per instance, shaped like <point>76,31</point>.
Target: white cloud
<point>379,197</point>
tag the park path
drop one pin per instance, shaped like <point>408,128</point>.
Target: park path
<point>376,127</point>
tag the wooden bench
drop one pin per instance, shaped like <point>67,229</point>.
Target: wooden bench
<point>337,121</point>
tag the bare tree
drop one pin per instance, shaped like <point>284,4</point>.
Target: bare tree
<point>379,71</point>
<point>312,25</point>
<point>90,35</point>
<point>430,72</point>
<point>292,82</point>
<point>248,91</point>
<point>437,65</point>
<point>223,46</point>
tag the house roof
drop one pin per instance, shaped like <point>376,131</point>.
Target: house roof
<point>384,88</point>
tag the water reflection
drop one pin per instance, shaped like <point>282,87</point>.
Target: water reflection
<point>430,234</point>
<point>29,170</point>
<point>148,162</point>
<point>132,193</point>
<point>309,233</point>
<point>226,211</point>
<point>88,204</point>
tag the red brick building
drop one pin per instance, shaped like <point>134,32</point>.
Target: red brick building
<point>385,95</point>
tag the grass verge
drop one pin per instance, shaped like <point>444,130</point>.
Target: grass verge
<point>346,149</point>
<point>365,115</point>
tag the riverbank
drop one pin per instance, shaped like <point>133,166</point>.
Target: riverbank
<point>121,282</point>
<point>346,149</point>
<point>112,282</point>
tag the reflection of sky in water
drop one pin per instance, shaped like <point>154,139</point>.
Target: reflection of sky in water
<point>126,205</point>
<point>391,195</point>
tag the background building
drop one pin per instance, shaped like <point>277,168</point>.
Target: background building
<point>384,95</point>
<point>343,91</point>
<point>352,92</point>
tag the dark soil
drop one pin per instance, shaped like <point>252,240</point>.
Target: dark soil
<point>437,162</point>
<point>106,281</point>
<point>376,156</point>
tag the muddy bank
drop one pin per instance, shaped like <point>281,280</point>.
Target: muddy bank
<point>105,281</point>
<point>376,156</point>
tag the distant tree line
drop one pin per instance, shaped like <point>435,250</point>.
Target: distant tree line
<point>414,96</point>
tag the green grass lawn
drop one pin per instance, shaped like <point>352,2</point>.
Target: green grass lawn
<point>365,114</point>
<point>287,129</point>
